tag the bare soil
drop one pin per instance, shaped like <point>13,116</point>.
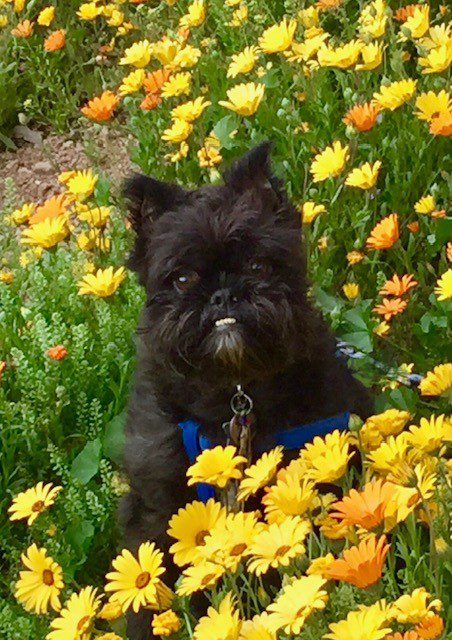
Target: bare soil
<point>35,165</point>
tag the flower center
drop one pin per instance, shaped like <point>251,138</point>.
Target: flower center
<point>201,538</point>
<point>38,506</point>
<point>281,551</point>
<point>414,499</point>
<point>238,549</point>
<point>83,623</point>
<point>143,580</point>
<point>47,577</point>
<point>207,579</point>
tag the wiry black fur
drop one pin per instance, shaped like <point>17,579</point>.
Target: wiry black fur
<point>280,349</point>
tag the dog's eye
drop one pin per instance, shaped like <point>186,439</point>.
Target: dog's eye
<point>260,268</point>
<point>185,281</point>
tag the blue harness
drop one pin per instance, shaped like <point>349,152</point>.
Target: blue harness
<point>296,438</point>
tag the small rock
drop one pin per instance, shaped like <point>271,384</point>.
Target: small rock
<point>44,166</point>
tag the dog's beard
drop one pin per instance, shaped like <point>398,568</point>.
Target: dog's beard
<point>228,346</point>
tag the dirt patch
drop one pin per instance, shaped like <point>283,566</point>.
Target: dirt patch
<point>35,165</point>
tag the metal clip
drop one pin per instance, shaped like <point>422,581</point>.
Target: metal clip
<point>241,403</point>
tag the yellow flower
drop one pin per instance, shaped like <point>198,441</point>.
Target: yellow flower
<point>309,17</point>
<point>310,211</point>
<point>178,132</point>
<point>40,585</point>
<point>102,285</point>
<point>190,111</point>
<point>111,611</point>
<point>319,565</point>
<point>354,257</point>
<point>330,162</point>
<point>179,154</point>
<point>298,600</point>
<point>257,628</point>
<point>216,466</point>
<point>46,16</point>
<point>342,57</point>
<point>227,545</point>
<point>209,155</point>
<point>304,51</point>
<point>179,84</point>
<point>443,289</point>
<point>239,16</point>
<point>223,624</point>
<point>364,624</point>
<point>199,577</point>
<point>418,23</point>
<point>3,20</point>
<point>138,55</point>
<point>96,217</point>
<point>426,204</point>
<point>19,216</point>
<point>278,37</point>
<point>373,19</point>
<point>46,234</point>
<point>437,36</point>
<point>260,473</point>
<point>185,58</point>
<point>166,623</point>
<point>165,50</point>
<point>7,277</point>
<point>438,382</point>
<point>365,176</point>
<point>390,454</point>
<point>94,238</point>
<point>372,56</point>
<point>290,496</point>
<point>195,16</point>
<point>134,581</point>
<point>108,636</point>
<point>132,82</point>
<point>415,607</point>
<point>190,527</point>
<point>82,184</point>
<point>244,98</point>
<point>326,459</point>
<point>76,619</point>
<point>351,290</point>
<point>431,434</point>
<point>88,11</point>
<point>243,62</point>
<point>378,427</point>
<point>395,94</point>
<point>430,105</point>
<point>382,329</point>
<point>437,60</point>
<point>278,544</point>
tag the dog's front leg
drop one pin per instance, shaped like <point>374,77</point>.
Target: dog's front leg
<point>156,463</point>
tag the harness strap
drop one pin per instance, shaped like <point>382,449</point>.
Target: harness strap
<point>295,438</point>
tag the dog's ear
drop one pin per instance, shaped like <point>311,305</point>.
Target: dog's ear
<point>147,199</point>
<point>253,172</point>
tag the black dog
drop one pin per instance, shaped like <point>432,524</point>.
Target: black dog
<point>227,304</point>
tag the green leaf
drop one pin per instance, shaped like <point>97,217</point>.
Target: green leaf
<point>360,340</point>
<point>223,130</point>
<point>327,302</point>
<point>86,464</point>
<point>79,535</point>
<point>271,79</point>
<point>114,438</point>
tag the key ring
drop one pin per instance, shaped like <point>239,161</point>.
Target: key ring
<point>241,403</point>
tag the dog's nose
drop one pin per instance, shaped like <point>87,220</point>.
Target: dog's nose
<point>222,298</point>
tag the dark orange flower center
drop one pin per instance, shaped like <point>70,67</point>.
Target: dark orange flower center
<point>238,549</point>
<point>47,577</point>
<point>83,623</point>
<point>282,550</point>
<point>208,578</point>
<point>143,580</point>
<point>201,537</point>
<point>414,499</point>
<point>38,506</point>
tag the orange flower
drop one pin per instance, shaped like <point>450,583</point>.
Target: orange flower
<point>385,234</point>
<point>390,308</point>
<point>430,627</point>
<point>55,40</point>
<point>408,635</point>
<point>52,208</point>
<point>327,5</point>
<point>151,101</point>
<point>398,286</point>
<point>413,227</point>
<point>402,14</point>
<point>438,214</point>
<point>441,125</point>
<point>155,80</point>
<point>2,368</point>
<point>361,565</point>
<point>365,508</point>
<point>101,109</point>
<point>58,352</point>
<point>362,117</point>
<point>23,29</point>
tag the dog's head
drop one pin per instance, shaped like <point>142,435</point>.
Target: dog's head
<point>223,269</point>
